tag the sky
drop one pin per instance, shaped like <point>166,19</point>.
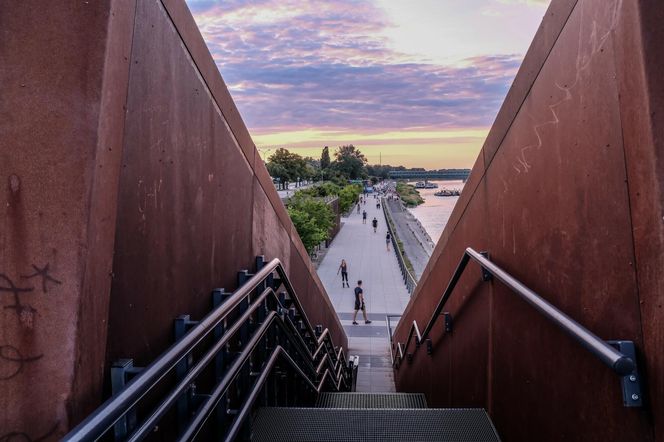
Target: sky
<point>416,83</point>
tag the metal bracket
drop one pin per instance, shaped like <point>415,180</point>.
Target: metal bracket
<point>122,371</point>
<point>448,322</point>
<point>182,325</point>
<point>486,275</point>
<point>630,383</point>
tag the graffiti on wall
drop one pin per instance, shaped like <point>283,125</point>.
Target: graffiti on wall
<point>13,297</point>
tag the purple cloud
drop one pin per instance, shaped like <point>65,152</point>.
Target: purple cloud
<point>292,64</point>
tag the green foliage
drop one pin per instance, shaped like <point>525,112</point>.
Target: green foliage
<point>325,158</point>
<point>287,166</point>
<point>350,162</point>
<point>348,196</point>
<point>312,218</point>
<point>408,194</point>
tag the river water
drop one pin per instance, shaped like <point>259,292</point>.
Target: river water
<point>436,210</point>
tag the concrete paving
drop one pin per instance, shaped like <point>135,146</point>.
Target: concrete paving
<point>384,293</point>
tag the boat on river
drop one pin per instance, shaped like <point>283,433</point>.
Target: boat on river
<point>448,192</point>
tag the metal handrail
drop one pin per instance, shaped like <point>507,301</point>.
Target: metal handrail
<point>260,382</point>
<point>233,372</point>
<point>115,407</point>
<point>614,359</point>
<point>408,277</point>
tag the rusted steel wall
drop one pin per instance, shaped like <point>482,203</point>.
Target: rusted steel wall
<point>196,203</point>
<point>566,196</point>
<point>131,189</point>
<point>63,83</point>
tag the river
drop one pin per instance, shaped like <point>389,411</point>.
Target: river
<point>436,210</point>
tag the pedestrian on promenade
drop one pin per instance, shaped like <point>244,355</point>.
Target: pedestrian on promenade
<point>358,208</point>
<point>388,238</point>
<point>343,268</point>
<point>364,217</point>
<point>374,223</point>
<point>378,205</point>
<point>359,303</point>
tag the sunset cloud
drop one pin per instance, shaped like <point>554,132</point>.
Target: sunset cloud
<point>295,67</point>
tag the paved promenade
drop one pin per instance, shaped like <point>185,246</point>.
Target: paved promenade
<point>384,292</point>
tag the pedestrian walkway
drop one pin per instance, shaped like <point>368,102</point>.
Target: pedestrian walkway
<point>384,292</point>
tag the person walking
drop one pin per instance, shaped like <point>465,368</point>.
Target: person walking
<point>388,238</point>
<point>358,208</point>
<point>374,223</point>
<point>359,304</point>
<point>343,268</point>
<point>364,217</point>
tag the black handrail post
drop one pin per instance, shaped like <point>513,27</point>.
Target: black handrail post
<point>216,323</point>
<point>219,296</point>
<point>242,383</point>
<point>181,326</point>
<point>121,371</point>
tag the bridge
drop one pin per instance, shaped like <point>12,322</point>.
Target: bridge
<point>143,298</point>
<point>448,174</point>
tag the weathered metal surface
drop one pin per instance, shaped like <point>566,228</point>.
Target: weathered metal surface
<point>557,212</point>
<point>641,93</point>
<point>118,108</point>
<point>59,125</point>
<point>195,203</point>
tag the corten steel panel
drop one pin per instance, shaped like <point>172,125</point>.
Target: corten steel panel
<point>194,43</point>
<point>639,74</point>
<point>185,206</point>
<point>269,236</point>
<point>547,33</point>
<point>559,205</point>
<point>459,362</point>
<point>58,126</point>
<point>193,40</point>
<point>188,31</point>
<point>557,215</point>
<point>192,210</point>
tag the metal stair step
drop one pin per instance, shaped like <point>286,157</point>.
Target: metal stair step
<point>371,400</point>
<point>373,425</point>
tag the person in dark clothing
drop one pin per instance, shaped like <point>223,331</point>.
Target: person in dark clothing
<point>374,223</point>
<point>388,238</point>
<point>343,268</point>
<point>364,217</point>
<point>359,304</point>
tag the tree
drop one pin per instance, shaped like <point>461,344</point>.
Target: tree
<point>350,161</point>
<point>312,218</point>
<point>348,196</point>
<point>286,166</point>
<point>325,158</point>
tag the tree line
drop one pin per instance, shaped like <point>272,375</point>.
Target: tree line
<point>310,212</point>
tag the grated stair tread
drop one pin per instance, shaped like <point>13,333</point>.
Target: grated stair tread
<point>373,425</point>
<point>371,400</point>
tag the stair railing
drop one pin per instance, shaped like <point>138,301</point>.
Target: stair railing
<point>608,352</point>
<point>268,323</point>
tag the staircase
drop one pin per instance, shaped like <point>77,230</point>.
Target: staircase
<point>372,417</point>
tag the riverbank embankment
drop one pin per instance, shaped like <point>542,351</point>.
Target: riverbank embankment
<point>417,245</point>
